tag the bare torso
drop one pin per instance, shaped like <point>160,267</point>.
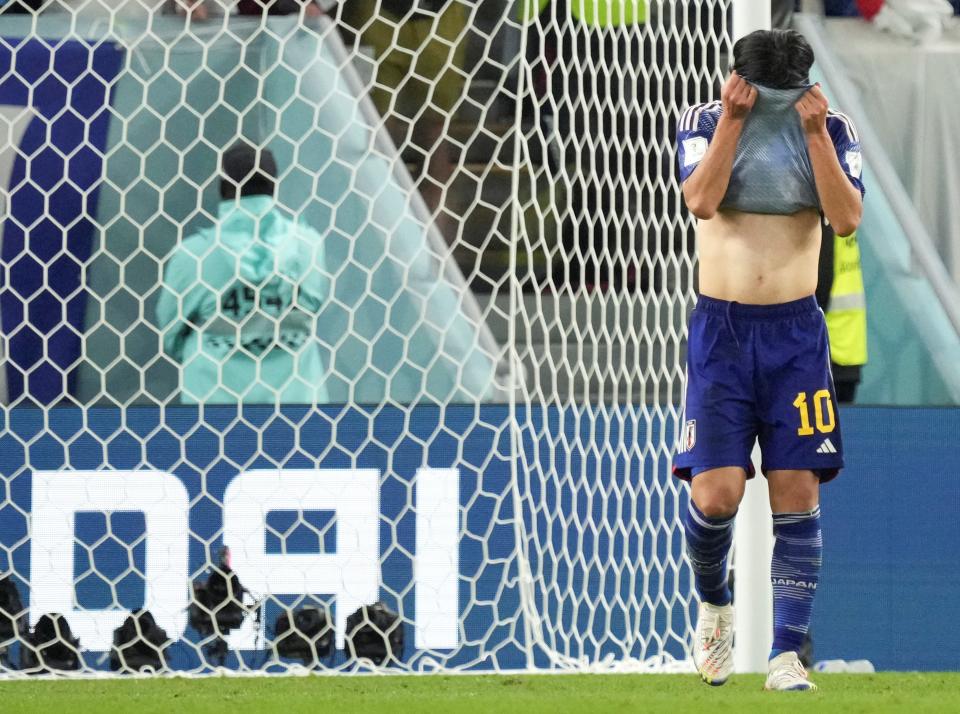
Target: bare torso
<point>759,259</point>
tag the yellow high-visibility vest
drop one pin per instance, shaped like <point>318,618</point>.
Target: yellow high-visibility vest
<point>847,311</point>
<point>531,8</point>
<point>596,13</point>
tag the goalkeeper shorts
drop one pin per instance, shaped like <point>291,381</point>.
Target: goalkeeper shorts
<point>759,372</point>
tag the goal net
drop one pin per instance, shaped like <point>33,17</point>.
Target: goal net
<point>347,339</point>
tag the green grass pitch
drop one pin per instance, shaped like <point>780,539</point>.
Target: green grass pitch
<point>534,694</point>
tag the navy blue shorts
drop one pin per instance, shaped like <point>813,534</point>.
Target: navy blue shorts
<point>759,372</point>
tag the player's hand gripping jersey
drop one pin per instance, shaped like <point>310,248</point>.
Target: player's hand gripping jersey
<point>762,371</point>
<point>772,171</point>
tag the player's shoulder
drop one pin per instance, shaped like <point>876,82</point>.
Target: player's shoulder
<point>841,127</point>
<point>699,117</point>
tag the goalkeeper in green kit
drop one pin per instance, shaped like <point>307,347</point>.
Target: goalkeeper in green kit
<point>240,299</point>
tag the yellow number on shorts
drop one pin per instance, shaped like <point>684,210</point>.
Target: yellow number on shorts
<point>801,403</point>
<point>824,426</point>
<point>819,399</point>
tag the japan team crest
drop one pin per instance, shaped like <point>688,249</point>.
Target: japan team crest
<point>689,434</point>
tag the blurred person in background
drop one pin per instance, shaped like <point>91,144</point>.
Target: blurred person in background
<point>918,20</point>
<point>419,47</point>
<point>239,304</point>
<point>869,8</point>
<point>133,9</point>
<point>841,297</point>
<point>310,8</point>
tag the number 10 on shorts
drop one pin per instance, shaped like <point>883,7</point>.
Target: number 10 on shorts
<point>824,426</point>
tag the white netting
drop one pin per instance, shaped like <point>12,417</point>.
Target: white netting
<point>440,370</point>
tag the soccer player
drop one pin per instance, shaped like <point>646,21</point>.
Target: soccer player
<point>758,168</point>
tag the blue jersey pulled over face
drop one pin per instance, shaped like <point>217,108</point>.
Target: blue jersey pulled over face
<point>771,171</point>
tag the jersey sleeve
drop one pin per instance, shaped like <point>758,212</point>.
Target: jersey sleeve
<point>846,142</point>
<point>694,134</point>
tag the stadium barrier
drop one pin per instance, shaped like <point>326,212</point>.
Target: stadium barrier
<point>413,510</point>
<point>890,531</point>
<point>98,533</point>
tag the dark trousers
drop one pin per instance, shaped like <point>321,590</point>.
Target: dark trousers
<point>846,379</point>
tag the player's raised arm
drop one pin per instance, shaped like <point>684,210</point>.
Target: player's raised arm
<point>706,186</point>
<point>840,200</point>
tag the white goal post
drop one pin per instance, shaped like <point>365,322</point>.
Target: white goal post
<point>433,359</point>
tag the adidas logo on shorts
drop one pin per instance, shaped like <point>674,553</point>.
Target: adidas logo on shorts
<point>827,447</point>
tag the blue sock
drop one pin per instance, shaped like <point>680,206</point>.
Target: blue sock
<point>708,542</point>
<point>795,571</point>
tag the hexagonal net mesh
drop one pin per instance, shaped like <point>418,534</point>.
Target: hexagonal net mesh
<point>345,340</point>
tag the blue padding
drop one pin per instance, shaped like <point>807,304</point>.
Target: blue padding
<point>887,589</point>
<point>47,234</point>
<point>890,580</point>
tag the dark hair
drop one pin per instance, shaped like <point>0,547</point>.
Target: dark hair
<point>780,59</point>
<point>250,170</point>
